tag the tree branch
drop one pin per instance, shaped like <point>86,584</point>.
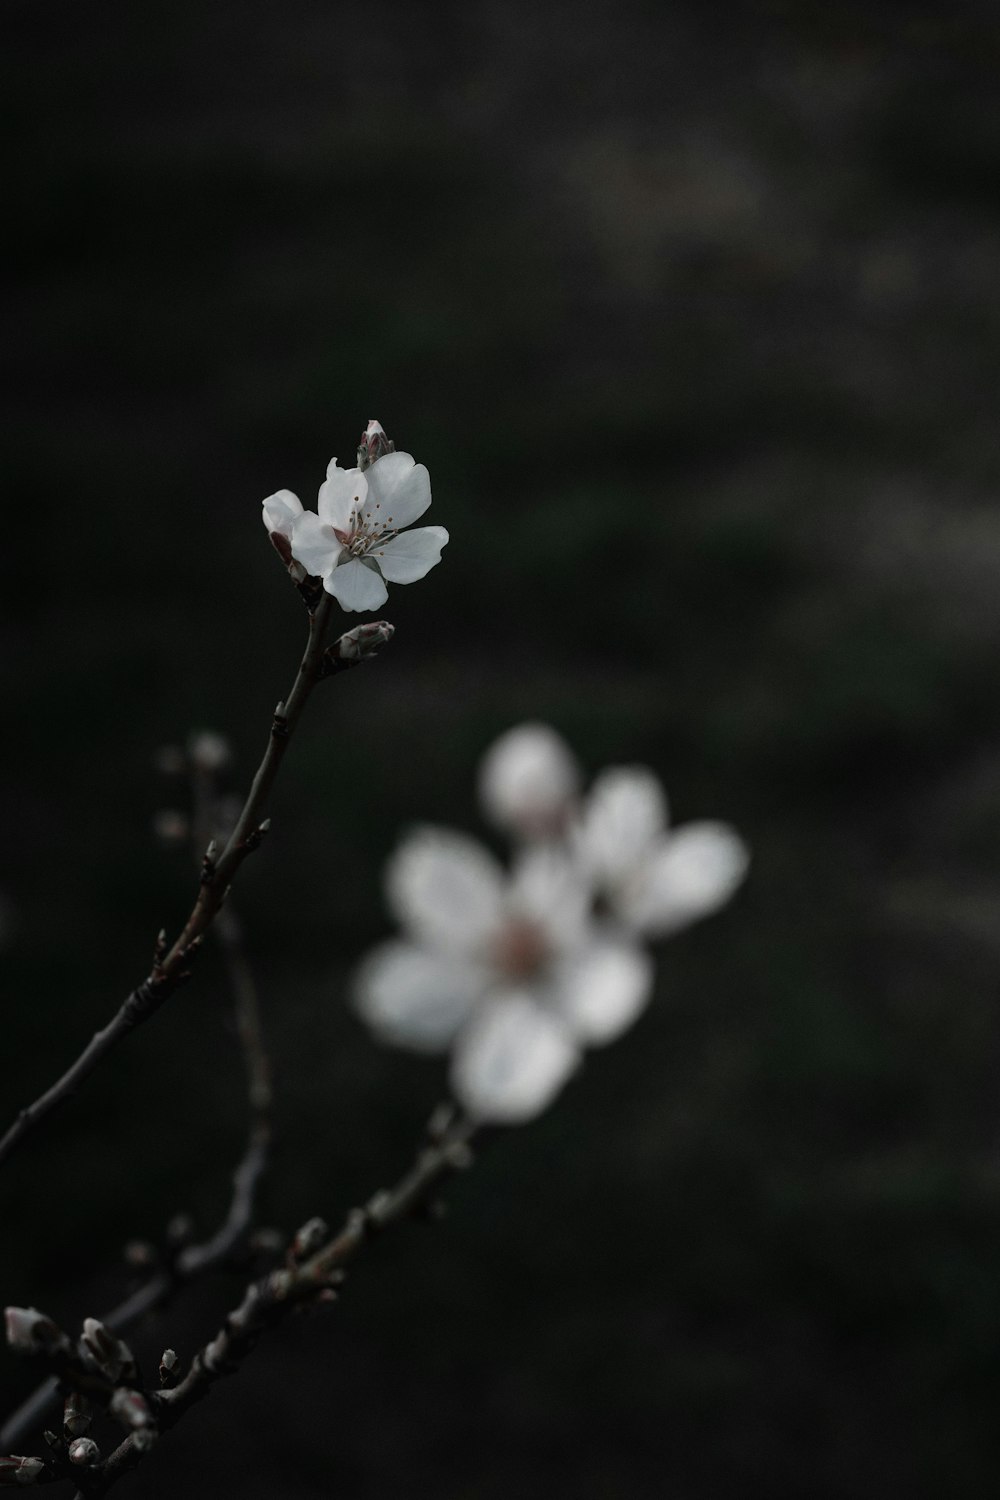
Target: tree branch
<point>171,966</point>
<point>308,1277</point>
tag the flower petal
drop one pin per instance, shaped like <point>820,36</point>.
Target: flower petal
<point>601,989</point>
<point>413,998</point>
<point>624,814</point>
<point>446,889</point>
<point>546,887</point>
<point>356,586</point>
<point>528,781</point>
<point>280,510</point>
<point>399,487</point>
<point>341,495</point>
<point>511,1060</point>
<point>410,556</point>
<point>691,874</point>
<point>314,545</point>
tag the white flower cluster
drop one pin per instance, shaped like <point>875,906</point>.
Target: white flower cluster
<point>516,973</point>
<point>353,541</point>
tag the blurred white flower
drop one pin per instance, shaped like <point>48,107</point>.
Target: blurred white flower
<point>529,782</point>
<point>655,881</point>
<point>353,541</point>
<point>509,972</point>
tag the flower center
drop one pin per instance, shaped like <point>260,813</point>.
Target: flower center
<point>520,948</point>
<point>366,529</point>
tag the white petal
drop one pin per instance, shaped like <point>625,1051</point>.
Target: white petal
<point>547,888</point>
<point>528,781</point>
<point>511,1060</point>
<point>447,890</point>
<point>280,510</point>
<point>356,586</point>
<point>400,488</point>
<point>410,556</point>
<point>341,496</point>
<point>314,545</point>
<point>692,873</point>
<point>414,998</point>
<point>600,990</point>
<point>624,814</point>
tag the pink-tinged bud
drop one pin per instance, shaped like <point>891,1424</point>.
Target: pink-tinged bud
<point>374,445</point>
<point>357,645</point>
<point>309,1238</point>
<point>84,1451</point>
<point>30,1331</point>
<point>130,1408</point>
<point>17,1470</point>
<point>77,1414</point>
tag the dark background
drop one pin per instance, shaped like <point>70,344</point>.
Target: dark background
<point>692,313</point>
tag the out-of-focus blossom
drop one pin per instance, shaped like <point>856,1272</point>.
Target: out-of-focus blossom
<point>654,880</point>
<point>529,781</point>
<point>509,972</point>
<point>209,751</point>
<point>517,974</point>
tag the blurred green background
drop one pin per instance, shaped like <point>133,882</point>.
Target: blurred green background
<point>692,314</point>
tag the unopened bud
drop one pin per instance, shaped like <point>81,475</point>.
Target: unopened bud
<point>111,1355</point>
<point>169,1364</point>
<point>30,1331</point>
<point>359,644</point>
<point>209,751</point>
<point>309,1238</point>
<point>17,1470</point>
<point>374,445</point>
<point>84,1451</point>
<point>77,1414</point>
<point>130,1408</point>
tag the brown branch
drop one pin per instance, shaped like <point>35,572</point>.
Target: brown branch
<point>172,965</point>
<point>268,1301</point>
<point>194,1260</point>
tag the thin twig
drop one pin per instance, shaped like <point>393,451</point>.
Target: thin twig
<point>269,1300</point>
<point>194,1260</point>
<point>171,967</point>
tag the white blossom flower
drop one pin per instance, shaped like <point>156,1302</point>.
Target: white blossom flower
<point>529,781</point>
<point>280,511</point>
<point>655,881</point>
<point>353,541</point>
<point>509,972</point>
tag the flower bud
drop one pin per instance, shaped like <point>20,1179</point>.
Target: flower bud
<point>374,445</point>
<point>168,1367</point>
<point>77,1414</point>
<point>84,1450</point>
<point>130,1408</point>
<point>357,645</point>
<point>30,1331</point>
<point>111,1355</point>
<point>309,1238</point>
<point>17,1470</point>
